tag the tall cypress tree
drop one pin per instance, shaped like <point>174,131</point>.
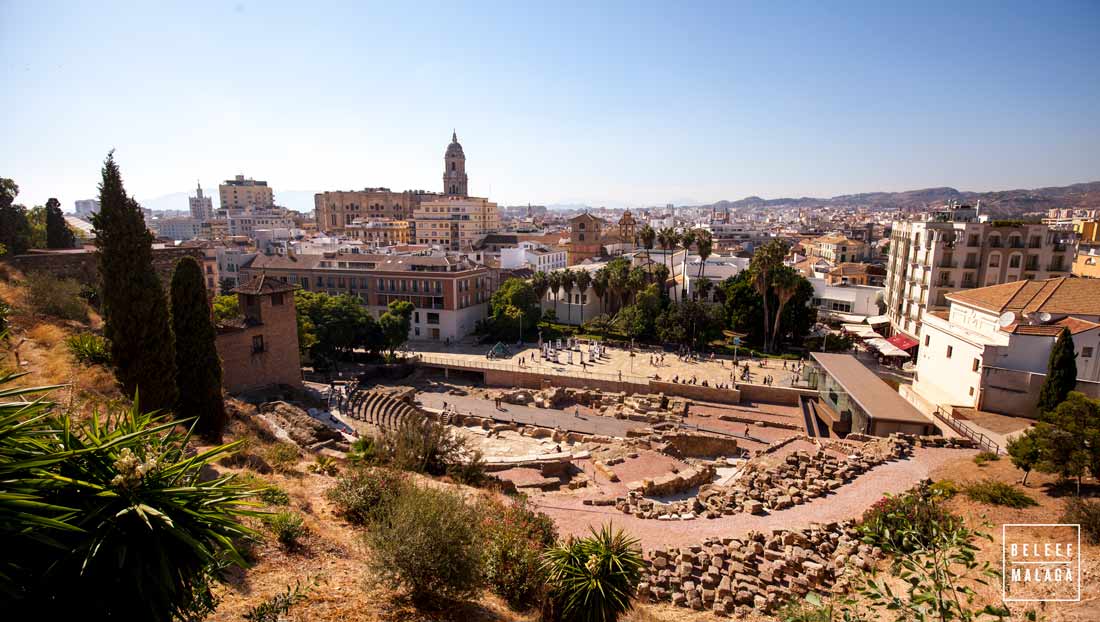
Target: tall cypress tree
<point>135,307</point>
<point>198,368</point>
<point>58,234</point>
<point>1061,373</point>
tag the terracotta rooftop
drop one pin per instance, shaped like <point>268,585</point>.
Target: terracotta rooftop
<point>264,284</point>
<point>1060,296</point>
<point>1075,325</point>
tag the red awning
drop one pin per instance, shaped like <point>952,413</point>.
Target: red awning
<point>904,342</point>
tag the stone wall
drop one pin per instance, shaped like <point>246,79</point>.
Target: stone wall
<point>773,394</point>
<point>81,264</point>
<point>534,380</point>
<point>687,445</point>
<point>696,392</point>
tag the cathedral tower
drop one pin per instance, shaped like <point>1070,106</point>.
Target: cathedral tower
<point>454,171</point>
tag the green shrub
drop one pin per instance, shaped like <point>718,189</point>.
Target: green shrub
<point>908,521</point>
<point>89,348</point>
<point>1086,513</point>
<point>324,465</point>
<point>282,456</point>
<point>287,527</point>
<point>428,542</point>
<point>515,538</point>
<point>594,578</point>
<point>362,494</point>
<point>5,311</point>
<point>423,445</point>
<point>986,456</point>
<point>273,495</point>
<point>998,493</point>
<point>60,298</point>
<point>945,488</point>
<point>274,608</point>
<point>91,510</point>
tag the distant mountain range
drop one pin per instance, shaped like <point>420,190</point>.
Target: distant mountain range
<point>1002,203</point>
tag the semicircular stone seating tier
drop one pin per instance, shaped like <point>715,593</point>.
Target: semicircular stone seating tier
<point>380,410</point>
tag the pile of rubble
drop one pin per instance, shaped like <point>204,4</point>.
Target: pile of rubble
<point>767,484</point>
<point>758,572</point>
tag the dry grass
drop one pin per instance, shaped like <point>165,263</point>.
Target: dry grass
<point>37,346</point>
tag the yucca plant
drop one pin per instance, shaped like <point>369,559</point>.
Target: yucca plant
<point>113,518</point>
<point>593,579</point>
<point>89,348</point>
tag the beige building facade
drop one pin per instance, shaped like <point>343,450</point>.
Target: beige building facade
<point>240,193</point>
<point>336,211</point>
<point>952,250</point>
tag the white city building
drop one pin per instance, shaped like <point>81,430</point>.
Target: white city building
<point>990,349</point>
<point>86,207</point>
<point>845,302</point>
<point>177,228</point>
<point>202,207</point>
<point>537,257</point>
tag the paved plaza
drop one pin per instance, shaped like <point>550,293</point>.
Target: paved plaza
<point>644,364</point>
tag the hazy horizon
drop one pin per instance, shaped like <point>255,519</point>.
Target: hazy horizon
<point>614,104</point>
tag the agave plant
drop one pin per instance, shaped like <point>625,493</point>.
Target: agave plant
<point>593,579</point>
<point>113,518</point>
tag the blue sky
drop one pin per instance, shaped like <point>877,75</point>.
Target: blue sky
<point>607,103</point>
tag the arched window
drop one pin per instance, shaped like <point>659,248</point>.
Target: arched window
<point>452,165</point>
<point>995,260</point>
<point>1014,261</point>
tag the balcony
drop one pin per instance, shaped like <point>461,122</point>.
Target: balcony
<point>948,264</point>
<point>1056,267</point>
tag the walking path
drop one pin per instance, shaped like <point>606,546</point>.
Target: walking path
<point>585,424</point>
<point>848,501</point>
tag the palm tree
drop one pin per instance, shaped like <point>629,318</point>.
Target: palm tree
<point>567,280</point>
<point>660,276</point>
<point>785,282</point>
<point>584,279</point>
<point>618,273</point>
<point>704,289</point>
<point>600,285</point>
<point>668,239</point>
<point>704,244</point>
<point>541,284</point>
<point>765,261</point>
<point>636,282</point>
<point>554,280</point>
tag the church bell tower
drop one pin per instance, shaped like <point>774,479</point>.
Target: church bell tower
<point>454,171</point>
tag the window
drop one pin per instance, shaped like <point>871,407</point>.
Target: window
<point>580,237</point>
<point>276,299</point>
<point>433,318</point>
<point>927,338</point>
<point>971,390</point>
<point>950,349</point>
<point>977,364</point>
<point>257,344</point>
<point>1086,352</point>
<point>1014,261</point>
<point>580,226</point>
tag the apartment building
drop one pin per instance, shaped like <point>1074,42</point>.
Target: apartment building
<point>377,233</point>
<point>836,248</point>
<point>338,211</point>
<point>450,293</point>
<point>951,249</point>
<point>176,228</point>
<point>991,348</point>
<point>533,256</point>
<point>247,222</point>
<point>245,194</point>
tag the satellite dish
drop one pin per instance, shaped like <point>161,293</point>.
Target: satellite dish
<point>1044,317</point>
<point>1006,319</point>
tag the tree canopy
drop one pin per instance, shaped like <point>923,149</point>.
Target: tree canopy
<point>1061,373</point>
<point>198,366</point>
<point>58,234</point>
<point>135,307</point>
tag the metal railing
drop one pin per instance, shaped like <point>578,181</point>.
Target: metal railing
<point>959,426</point>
